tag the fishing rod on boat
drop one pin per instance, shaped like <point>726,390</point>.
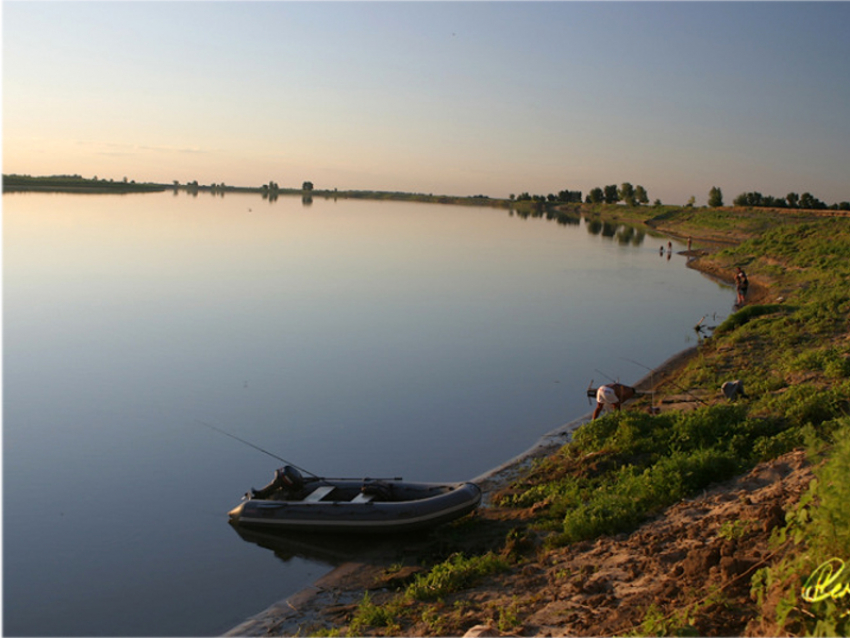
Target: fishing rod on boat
<point>256,447</point>
<point>290,463</point>
<point>690,394</point>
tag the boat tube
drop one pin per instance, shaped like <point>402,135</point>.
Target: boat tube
<point>295,503</point>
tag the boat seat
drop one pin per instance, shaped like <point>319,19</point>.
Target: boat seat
<point>318,494</point>
<point>362,498</point>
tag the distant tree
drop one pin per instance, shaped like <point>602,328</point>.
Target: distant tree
<point>512,197</point>
<point>715,197</point>
<point>596,196</point>
<point>627,193</point>
<point>691,202</point>
<point>657,202</point>
<point>809,201</point>
<point>567,195</point>
<point>773,202</point>
<point>307,186</point>
<point>749,199</point>
<point>552,197</point>
<point>641,195</point>
<point>612,195</point>
<point>793,200</point>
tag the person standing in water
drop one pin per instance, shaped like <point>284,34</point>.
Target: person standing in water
<point>741,285</point>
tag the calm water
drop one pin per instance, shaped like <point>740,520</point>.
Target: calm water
<point>352,338</point>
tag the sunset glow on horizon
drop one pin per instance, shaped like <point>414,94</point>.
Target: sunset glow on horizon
<point>491,98</point>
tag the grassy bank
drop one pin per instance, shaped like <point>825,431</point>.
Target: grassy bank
<point>791,348</point>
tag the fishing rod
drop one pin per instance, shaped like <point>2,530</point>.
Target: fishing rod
<point>606,376</point>
<point>256,447</point>
<point>283,460</point>
<point>693,396</point>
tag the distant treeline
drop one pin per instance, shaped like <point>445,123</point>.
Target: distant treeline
<point>611,194</point>
<point>791,200</point>
<point>75,183</point>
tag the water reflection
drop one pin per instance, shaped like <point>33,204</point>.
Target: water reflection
<point>336,549</point>
<point>625,234</point>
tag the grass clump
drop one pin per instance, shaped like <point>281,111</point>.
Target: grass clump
<point>456,573</point>
<point>422,600</point>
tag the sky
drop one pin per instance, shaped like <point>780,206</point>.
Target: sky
<point>455,98</point>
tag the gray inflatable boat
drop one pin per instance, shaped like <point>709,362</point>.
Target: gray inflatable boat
<point>295,503</point>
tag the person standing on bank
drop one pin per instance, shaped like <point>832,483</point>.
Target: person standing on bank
<point>613,395</point>
<point>741,285</point>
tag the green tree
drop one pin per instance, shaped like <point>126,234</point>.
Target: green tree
<point>807,200</point>
<point>627,193</point>
<point>595,196</point>
<point>307,186</point>
<point>612,195</point>
<point>715,197</point>
<point>641,195</point>
<point>793,200</point>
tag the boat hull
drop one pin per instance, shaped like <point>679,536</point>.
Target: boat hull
<point>417,506</point>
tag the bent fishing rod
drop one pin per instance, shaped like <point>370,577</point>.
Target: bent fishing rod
<point>690,394</point>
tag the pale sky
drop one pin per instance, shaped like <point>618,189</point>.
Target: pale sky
<point>435,97</point>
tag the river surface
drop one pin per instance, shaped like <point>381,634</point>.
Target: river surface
<point>353,338</point>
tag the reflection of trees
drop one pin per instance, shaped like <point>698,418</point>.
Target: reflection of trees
<point>609,230</point>
<point>270,195</point>
<point>563,218</point>
<point>631,235</point>
<point>624,234</point>
<point>307,200</point>
<point>638,237</point>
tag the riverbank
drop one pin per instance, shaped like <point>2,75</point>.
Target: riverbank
<point>323,604</point>
<point>586,536</point>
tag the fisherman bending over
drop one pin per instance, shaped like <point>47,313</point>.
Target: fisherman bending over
<point>613,395</point>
